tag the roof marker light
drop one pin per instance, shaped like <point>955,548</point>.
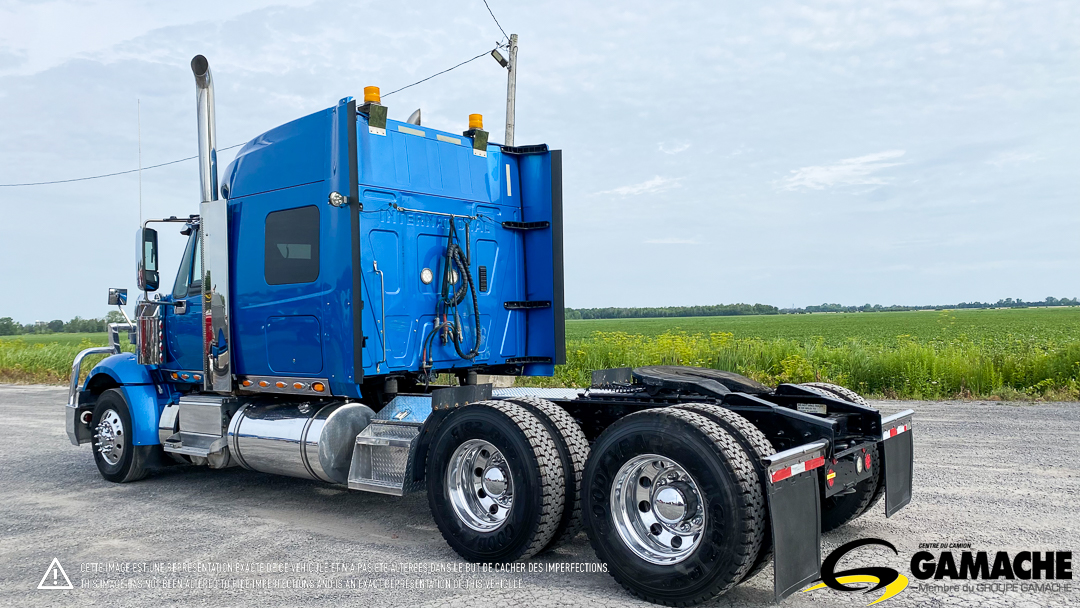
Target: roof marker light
<point>476,121</point>
<point>371,95</point>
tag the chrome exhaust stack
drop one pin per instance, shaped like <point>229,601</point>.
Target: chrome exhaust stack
<point>204,97</point>
<point>214,232</point>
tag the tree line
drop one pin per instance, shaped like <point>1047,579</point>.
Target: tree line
<point>10,327</point>
<point>722,310</point>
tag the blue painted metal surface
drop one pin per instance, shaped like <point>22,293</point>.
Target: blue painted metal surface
<point>145,399</point>
<point>306,329</point>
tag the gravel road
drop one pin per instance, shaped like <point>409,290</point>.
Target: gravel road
<point>1002,477</point>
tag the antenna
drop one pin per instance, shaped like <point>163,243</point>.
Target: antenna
<point>138,107</point>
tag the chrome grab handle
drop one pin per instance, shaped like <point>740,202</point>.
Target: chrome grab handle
<point>382,327</point>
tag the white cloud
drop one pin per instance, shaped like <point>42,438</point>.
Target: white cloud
<point>672,241</point>
<point>674,148</point>
<point>652,186</point>
<point>859,171</point>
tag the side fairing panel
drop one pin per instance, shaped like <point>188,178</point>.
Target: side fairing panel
<point>289,321</point>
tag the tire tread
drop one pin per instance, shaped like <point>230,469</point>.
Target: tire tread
<point>576,447</point>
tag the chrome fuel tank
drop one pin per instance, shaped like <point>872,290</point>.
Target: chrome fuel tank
<point>298,439</point>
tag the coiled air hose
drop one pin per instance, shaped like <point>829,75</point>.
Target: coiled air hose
<point>450,298</point>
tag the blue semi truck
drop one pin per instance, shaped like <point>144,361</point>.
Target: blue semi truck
<point>346,285</point>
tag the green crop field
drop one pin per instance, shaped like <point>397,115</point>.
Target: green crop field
<point>1002,353</point>
<point>47,358</point>
<point>1005,353</point>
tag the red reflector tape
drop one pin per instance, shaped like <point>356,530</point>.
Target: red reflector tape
<point>896,430</point>
<point>795,469</point>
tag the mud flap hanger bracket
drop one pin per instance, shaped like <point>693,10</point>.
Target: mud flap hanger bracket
<point>795,514</point>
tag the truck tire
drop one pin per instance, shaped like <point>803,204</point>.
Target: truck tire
<point>844,393</point>
<point>495,482</point>
<point>837,511</point>
<point>758,447</point>
<point>573,450</point>
<point>117,458</point>
<point>688,479</point>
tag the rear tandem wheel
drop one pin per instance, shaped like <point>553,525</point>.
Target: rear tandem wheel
<point>673,505</point>
<point>495,482</point>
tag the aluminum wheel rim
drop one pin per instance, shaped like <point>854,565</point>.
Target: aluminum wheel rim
<point>657,508</point>
<point>480,485</point>
<point>109,437</point>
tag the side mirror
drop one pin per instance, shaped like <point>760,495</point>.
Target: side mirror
<point>147,274</point>
<point>117,297</point>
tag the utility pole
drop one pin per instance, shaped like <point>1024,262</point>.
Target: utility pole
<point>511,90</point>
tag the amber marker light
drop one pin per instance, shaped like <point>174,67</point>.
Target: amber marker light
<point>280,385</point>
<point>476,121</point>
<point>246,382</point>
<point>263,383</point>
<point>175,376</point>
<point>318,387</point>
<point>371,95</point>
<point>297,385</point>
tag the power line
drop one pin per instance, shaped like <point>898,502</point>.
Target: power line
<point>173,162</point>
<point>496,20</point>
<point>82,179</point>
<point>439,74</point>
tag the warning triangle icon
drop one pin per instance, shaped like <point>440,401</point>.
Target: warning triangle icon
<point>55,577</point>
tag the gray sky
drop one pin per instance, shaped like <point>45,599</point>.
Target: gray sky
<point>781,152</point>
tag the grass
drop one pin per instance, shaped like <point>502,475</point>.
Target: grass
<point>996,354</point>
<point>47,358</point>
<point>989,354</point>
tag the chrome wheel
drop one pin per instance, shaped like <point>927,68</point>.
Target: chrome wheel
<point>109,437</point>
<point>658,509</point>
<point>480,485</point>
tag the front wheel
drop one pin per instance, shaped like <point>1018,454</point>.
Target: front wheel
<point>118,459</point>
<point>673,505</point>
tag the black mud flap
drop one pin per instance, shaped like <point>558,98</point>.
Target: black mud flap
<point>899,458</point>
<point>795,514</point>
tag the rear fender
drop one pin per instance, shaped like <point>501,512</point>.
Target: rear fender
<point>139,390</point>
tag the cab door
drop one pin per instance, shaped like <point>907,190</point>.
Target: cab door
<point>183,335</point>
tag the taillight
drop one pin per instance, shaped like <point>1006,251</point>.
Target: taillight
<point>208,331</point>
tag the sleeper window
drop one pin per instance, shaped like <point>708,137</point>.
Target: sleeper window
<point>292,246</point>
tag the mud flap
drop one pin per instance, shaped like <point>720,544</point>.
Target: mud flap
<point>899,456</point>
<point>795,514</point>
